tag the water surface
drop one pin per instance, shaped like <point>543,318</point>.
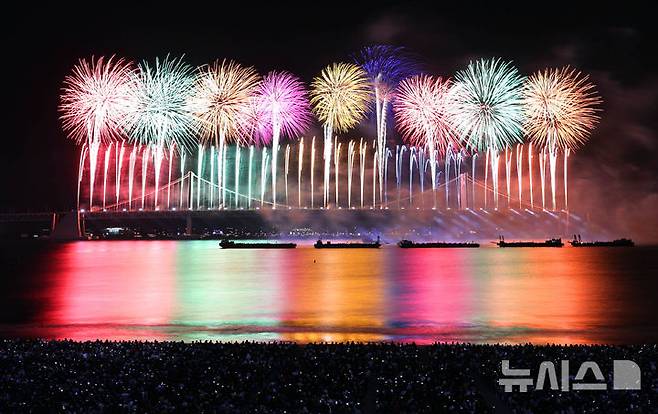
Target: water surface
<point>191,290</point>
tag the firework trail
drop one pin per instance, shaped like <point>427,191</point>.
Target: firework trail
<point>300,165</point>
<point>81,163</point>
<point>374,181</point>
<point>264,158</point>
<point>171,160</point>
<point>399,154</point>
<point>412,159</point>
<point>282,101</point>
<point>223,102</point>
<point>508,174</point>
<point>487,109</point>
<point>363,148</point>
<point>94,101</point>
<point>237,176</point>
<point>108,153</point>
<point>131,174</point>
<point>530,157</point>
<point>159,115</point>
<point>119,164</point>
<point>519,171</point>
<point>473,163</point>
<point>446,173</point>
<point>145,166</point>
<point>199,161</point>
<point>386,66</point>
<point>182,173</point>
<point>212,175</point>
<point>251,159</point>
<point>561,107</point>
<point>351,152</point>
<point>340,97</point>
<point>286,165</point>
<point>421,115</point>
<point>337,147</point>
<point>312,169</point>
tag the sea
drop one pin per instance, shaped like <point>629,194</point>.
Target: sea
<point>193,290</point>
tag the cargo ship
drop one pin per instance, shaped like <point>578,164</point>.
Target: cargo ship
<point>329,245</point>
<point>229,244</point>
<point>548,243</point>
<point>408,244</point>
<point>577,242</point>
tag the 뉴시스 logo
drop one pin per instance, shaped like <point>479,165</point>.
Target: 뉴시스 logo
<point>626,376</point>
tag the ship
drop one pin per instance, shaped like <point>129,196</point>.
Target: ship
<point>548,243</point>
<point>229,244</point>
<point>578,242</point>
<point>329,245</point>
<point>408,244</point>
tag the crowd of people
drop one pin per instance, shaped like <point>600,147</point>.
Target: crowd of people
<point>105,376</point>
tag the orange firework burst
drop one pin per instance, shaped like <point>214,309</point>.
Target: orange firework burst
<point>223,100</point>
<point>561,108</point>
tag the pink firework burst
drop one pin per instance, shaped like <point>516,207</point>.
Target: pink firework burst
<point>421,112</point>
<point>96,98</point>
<point>282,101</point>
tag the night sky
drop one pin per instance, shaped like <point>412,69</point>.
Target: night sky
<point>613,177</point>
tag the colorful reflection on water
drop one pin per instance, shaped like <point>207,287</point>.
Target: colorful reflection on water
<point>193,291</point>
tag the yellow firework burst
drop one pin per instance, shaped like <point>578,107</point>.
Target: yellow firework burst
<point>561,107</point>
<point>340,95</point>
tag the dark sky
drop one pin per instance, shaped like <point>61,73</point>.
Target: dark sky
<point>615,45</point>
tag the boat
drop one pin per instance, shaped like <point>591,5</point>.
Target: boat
<point>329,245</point>
<point>229,244</point>
<point>578,242</point>
<point>548,243</point>
<point>408,244</point>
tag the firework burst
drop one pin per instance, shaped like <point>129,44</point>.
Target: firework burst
<point>421,111</point>
<point>95,99</point>
<point>340,96</point>
<point>282,101</point>
<point>421,115</point>
<point>223,101</point>
<point>487,105</point>
<point>159,114</point>
<point>560,108</point>
<point>386,66</point>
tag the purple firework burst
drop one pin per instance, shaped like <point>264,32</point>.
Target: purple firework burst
<point>282,104</point>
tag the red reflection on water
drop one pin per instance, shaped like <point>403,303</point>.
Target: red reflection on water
<point>432,292</point>
<point>132,290</point>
